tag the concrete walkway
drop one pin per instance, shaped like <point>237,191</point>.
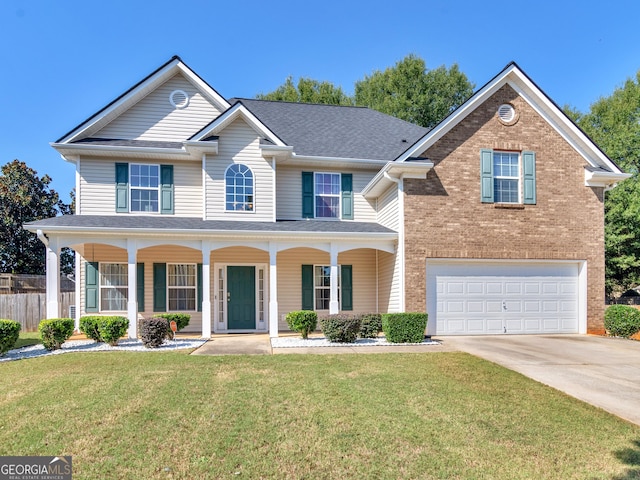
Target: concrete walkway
<point>602,371</point>
<point>236,344</point>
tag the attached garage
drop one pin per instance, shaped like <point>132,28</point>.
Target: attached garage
<point>505,297</point>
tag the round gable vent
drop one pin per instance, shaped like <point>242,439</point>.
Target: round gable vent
<point>507,114</point>
<point>179,98</point>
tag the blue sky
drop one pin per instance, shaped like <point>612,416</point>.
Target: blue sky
<point>64,60</point>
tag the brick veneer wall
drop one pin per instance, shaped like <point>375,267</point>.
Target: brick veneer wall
<point>444,217</point>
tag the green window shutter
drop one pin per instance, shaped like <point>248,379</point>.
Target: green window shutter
<point>166,189</point>
<point>140,286</point>
<point>346,286</point>
<point>122,187</point>
<point>91,287</point>
<point>307,195</point>
<point>529,169</point>
<point>347,196</point>
<point>486,176</point>
<point>307,287</point>
<point>199,294</point>
<point>159,287</point>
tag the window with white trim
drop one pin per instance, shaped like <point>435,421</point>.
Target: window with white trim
<point>322,286</point>
<point>327,188</point>
<point>506,177</point>
<point>144,186</point>
<point>114,287</point>
<point>182,287</point>
<point>239,188</point>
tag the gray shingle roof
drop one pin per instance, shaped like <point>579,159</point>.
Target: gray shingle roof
<point>336,131</point>
<point>193,224</point>
<point>117,142</point>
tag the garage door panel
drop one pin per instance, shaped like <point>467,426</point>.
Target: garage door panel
<point>520,298</point>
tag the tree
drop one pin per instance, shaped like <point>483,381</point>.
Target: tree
<point>308,91</point>
<point>413,93</point>
<point>614,124</point>
<point>25,197</point>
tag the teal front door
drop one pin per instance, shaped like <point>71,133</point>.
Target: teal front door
<point>241,298</point>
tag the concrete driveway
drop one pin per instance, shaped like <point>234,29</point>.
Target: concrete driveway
<point>602,371</point>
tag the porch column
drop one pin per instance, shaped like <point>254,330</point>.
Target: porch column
<point>273,290</point>
<point>206,289</point>
<point>53,279</point>
<point>132,292</point>
<point>334,304</point>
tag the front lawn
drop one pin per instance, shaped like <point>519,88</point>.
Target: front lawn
<point>27,338</point>
<point>435,415</point>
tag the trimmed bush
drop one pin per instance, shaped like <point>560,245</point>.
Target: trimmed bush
<point>9,332</point>
<point>112,328</point>
<point>340,328</point>
<point>404,327</point>
<point>55,331</point>
<point>89,326</point>
<point>153,331</point>
<point>370,325</point>
<point>181,319</point>
<point>302,321</point>
<point>622,320</point>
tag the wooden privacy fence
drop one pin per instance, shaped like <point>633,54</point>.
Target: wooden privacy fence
<point>30,308</point>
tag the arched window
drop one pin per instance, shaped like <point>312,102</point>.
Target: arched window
<point>239,188</point>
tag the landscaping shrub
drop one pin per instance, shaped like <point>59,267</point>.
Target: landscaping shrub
<point>302,321</point>
<point>153,331</point>
<point>55,331</point>
<point>370,325</point>
<point>112,328</point>
<point>404,327</point>
<point>181,319</point>
<point>622,320</point>
<point>89,326</point>
<point>341,328</point>
<point>9,332</point>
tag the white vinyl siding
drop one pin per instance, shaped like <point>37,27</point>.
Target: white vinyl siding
<point>388,214</point>
<point>289,192</point>
<point>154,118</point>
<point>97,187</point>
<point>239,143</point>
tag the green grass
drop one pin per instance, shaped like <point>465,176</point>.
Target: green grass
<point>437,415</point>
<point>27,338</point>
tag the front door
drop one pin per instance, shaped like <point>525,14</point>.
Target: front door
<point>241,298</point>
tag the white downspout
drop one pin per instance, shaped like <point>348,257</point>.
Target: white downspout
<point>400,249</point>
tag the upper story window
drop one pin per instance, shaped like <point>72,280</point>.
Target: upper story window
<point>144,186</point>
<point>327,195</point>
<point>239,188</point>
<point>508,177</point>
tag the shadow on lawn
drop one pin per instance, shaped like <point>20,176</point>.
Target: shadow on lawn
<point>630,457</point>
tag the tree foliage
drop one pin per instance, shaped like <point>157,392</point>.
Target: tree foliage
<point>614,124</point>
<point>413,93</point>
<point>25,197</point>
<point>308,91</point>
<point>407,90</point>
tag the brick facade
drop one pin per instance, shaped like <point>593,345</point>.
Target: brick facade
<point>444,217</point>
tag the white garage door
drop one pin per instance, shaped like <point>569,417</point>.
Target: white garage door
<point>493,298</point>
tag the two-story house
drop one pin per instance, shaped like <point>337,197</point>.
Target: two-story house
<point>239,211</point>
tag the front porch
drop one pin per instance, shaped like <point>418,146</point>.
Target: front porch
<point>227,285</point>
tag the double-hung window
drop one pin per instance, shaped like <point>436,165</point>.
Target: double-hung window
<point>144,186</point>
<point>322,286</point>
<point>181,287</point>
<point>327,195</point>
<point>508,177</point>
<point>114,284</point>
